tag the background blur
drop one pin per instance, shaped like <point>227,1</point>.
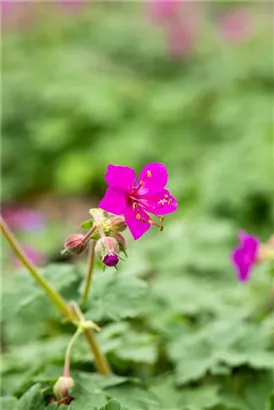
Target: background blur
<point>85,84</point>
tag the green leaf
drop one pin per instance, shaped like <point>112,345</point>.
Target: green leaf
<point>233,343</point>
<point>172,397</point>
<point>112,405</point>
<point>116,296</point>
<point>8,403</point>
<point>32,400</point>
<point>87,224</point>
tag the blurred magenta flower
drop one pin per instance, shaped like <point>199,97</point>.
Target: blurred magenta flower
<point>237,25</point>
<point>180,40</point>
<point>24,219</point>
<point>180,20</point>
<point>16,14</point>
<point>163,11</point>
<point>36,257</point>
<point>135,199</point>
<point>71,6</point>
<point>245,255</point>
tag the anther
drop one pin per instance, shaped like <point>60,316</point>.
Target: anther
<point>151,222</point>
<point>149,174</point>
<point>162,219</point>
<point>143,220</point>
<point>161,228</point>
<point>134,206</point>
<point>142,183</point>
<point>169,201</point>
<point>138,216</point>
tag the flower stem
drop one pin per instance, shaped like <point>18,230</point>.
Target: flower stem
<point>89,271</point>
<point>100,360</point>
<point>68,352</point>
<point>52,293</point>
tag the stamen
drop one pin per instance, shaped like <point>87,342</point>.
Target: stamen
<point>138,216</point>
<point>142,183</point>
<point>151,222</point>
<point>161,228</point>
<point>169,201</point>
<point>143,220</point>
<point>134,206</point>
<point>160,217</point>
<point>149,174</point>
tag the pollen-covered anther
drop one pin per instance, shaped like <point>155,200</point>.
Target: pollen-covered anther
<point>138,216</point>
<point>143,220</point>
<point>149,174</point>
<point>169,201</point>
<point>134,206</point>
<point>162,219</point>
<point>142,183</point>
<point>151,222</point>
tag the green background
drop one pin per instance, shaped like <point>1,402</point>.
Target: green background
<point>84,89</point>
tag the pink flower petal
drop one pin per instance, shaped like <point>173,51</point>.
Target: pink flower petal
<point>244,256</point>
<point>154,178</point>
<point>137,226</point>
<point>161,203</point>
<point>120,176</point>
<point>114,201</point>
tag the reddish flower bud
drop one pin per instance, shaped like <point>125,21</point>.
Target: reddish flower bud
<point>75,243</point>
<point>107,249</point>
<point>118,224</point>
<point>121,241</point>
<point>62,389</point>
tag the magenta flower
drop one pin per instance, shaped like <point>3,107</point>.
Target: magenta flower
<point>245,256</point>
<point>35,256</point>
<point>24,219</point>
<point>237,25</point>
<point>164,11</point>
<point>135,199</point>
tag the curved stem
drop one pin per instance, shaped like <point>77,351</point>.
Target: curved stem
<point>68,352</point>
<point>52,293</point>
<point>89,271</point>
<point>100,360</point>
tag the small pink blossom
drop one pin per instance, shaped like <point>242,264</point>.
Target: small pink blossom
<point>237,25</point>
<point>163,11</point>
<point>136,199</point>
<point>181,40</point>
<point>24,219</point>
<point>36,257</point>
<point>245,255</point>
<point>71,6</point>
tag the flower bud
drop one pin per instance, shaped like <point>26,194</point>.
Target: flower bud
<point>107,249</point>
<point>121,241</point>
<point>75,243</point>
<point>62,388</point>
<point>118,224</point>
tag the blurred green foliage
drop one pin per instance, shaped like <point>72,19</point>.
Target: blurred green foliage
<point>83,91</point>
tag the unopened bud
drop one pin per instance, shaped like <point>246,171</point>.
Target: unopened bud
<point>118,224</point>
<point>121,241</point>
<point>75,243</point>
<point>107,249</point>
<point>62,388</point>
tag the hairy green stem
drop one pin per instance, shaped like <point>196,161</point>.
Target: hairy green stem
<point>71,314</point>
<point>68,352</point>
<point>100,360</point>
<point>89,271</point>
<point>52,293</point>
